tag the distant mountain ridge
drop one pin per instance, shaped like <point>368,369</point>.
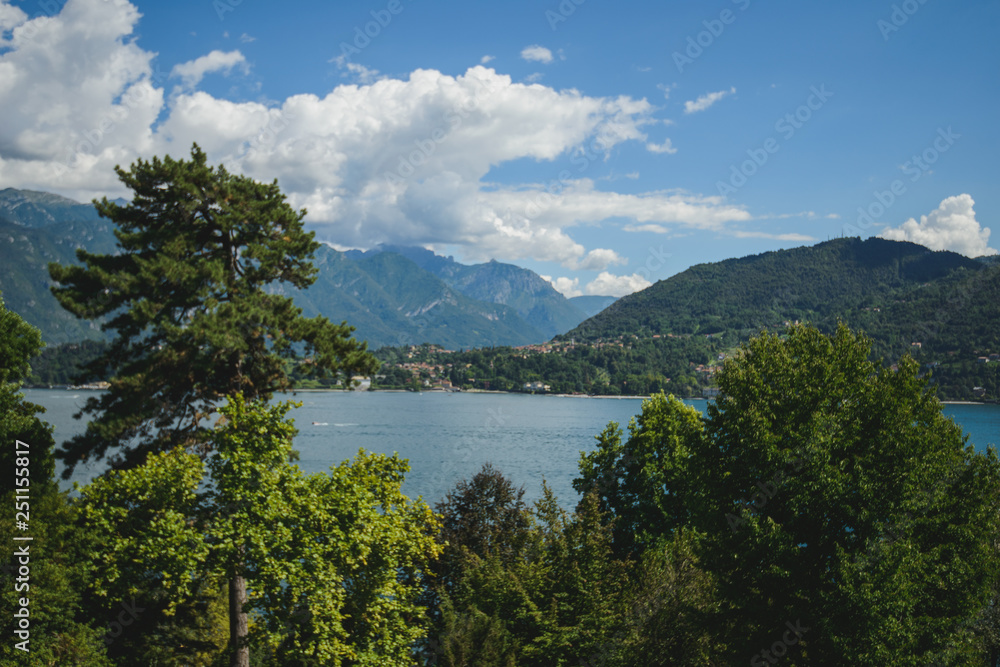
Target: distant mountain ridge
<point>30,208</point>
<point>392,295</point>
<point>530,295</point>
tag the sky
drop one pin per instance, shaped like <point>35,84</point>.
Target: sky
<point>603,145</point>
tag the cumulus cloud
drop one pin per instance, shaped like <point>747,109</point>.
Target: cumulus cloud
<point>707,100</point>
<point>69,120</point>
<point>607,284</point>
<point>10,18</point>
<point>666,147</point>
<point>951,226</point>
<point>400,160</point>
<point>568,287</point>
<point>193,71</point>
<point>536,53</point>
<point>599,258</point>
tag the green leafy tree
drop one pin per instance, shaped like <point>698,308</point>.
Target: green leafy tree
<point>646,483</point>
<point>193,298</point>
<point>332,562</point>
<point>19,342</point>
<point>525,587</point>
<point>824,489</point>
<point>54,560</point>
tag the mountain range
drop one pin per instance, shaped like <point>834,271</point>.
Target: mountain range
<point>392,295</point>
<point>904,296</point>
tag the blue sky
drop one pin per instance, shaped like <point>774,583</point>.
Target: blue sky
<point>603,145</point>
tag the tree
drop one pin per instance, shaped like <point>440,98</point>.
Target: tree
<point>825,491</point>
<point>521,587</point>
<point>630,478</point>
<point>19,342</point>
<point>52,571</point>
<point>193,299</point>
<point>333,561</point>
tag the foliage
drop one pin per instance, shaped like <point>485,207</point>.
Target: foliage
<point>19,342</point>
<point>186,297</point>
<point>646,483</point>
<point>825,489</point>
<point>64,364</point>
<point>61,632</point>
<point>55,562</point>
<point>332,561</point>
<point>542,587</point>
<point>483,517</point>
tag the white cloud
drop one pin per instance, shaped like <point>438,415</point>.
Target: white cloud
<point>598,259</point>
<point>10,18</point>
<point>402,160</point>
<point>742,234</point>
<point>361,73</point>
<point>192,72</point>
<point>666,147</point>
<point>568,287</point>
<point>666,89</point>
<point>247,39</point>
<point>951,226</point>
<point>607,284</point>
<point>486,59</point>
<point>706,100</point>
<point>67,121</point>
<point>536,53</point>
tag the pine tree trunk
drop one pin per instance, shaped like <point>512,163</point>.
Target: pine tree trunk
<point>238,628</point>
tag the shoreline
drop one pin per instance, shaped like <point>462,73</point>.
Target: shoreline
<point>472,391</point>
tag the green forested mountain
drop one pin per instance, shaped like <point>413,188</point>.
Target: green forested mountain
<point>836,279</point>
<point>25,253</point>
<point>939,307</point>
<point>406,296</point>
<point>532,297</point>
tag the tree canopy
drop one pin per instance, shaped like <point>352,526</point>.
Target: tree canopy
<point>332,561</point>
<point>823,488</point>
<point>193,297</point>
<point>19,342</point>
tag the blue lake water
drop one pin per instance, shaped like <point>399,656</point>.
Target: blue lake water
<point>448,437</point>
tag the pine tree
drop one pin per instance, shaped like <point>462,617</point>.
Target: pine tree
<point>193,296</point>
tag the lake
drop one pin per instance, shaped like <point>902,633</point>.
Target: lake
<point>449,436</point>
